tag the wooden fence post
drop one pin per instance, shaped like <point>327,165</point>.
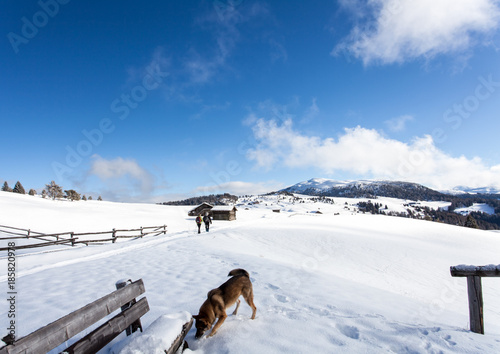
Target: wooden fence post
<point>114,236</point>
<point>142,232</point>
<point>137,324</point>
<point>475,293</point>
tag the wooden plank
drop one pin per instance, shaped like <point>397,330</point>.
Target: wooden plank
<point>89,241</point>
<point>35,245</point>
<point>16,228</point>
<point>475,293</point>
<point>99,338</point>
<point>180,338</point>
<point>93,233</point>
<point>57,332</point>
<point>481,271</point>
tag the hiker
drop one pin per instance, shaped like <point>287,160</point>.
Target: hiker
<point>207,221</point>
<point>198,222</point>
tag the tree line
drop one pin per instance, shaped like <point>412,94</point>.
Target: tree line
<point>217,199</point>
<point>476,220</point>
<point>51,190</point>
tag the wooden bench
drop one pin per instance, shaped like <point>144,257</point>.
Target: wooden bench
<point>63,329</point>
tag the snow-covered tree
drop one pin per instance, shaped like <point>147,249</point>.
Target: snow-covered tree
<point>100,199</point>
<point>18,188</point>
<point>6,187</point>
<point>44,194</point>
<point>471,222</point>
<point>72,195</point>
<point>32,192</point>
<point>84,198</point>
<point>53,190</point>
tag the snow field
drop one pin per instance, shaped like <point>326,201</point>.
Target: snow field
<point>322,283</point>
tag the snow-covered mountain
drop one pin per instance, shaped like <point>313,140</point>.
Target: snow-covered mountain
<point>364,189</point>
<point>467,190</point>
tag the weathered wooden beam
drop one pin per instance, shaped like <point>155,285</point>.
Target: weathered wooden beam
<point>137,324</point>
<point>480,271</point>
<point>35,245</point>
<point>475,293</point>
<point>100,337</point>
<point>58,332</point>
<point>180,338</point>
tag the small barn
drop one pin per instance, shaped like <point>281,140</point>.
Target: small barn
<point>224,212</point>
<point>201,209</point>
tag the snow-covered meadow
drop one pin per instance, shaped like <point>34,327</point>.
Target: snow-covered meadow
<point>339,281</point>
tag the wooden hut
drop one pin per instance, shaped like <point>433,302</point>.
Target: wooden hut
<point>201,209</point>
<point>224,212</point>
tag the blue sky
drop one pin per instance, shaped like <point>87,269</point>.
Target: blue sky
<point>163,100</point>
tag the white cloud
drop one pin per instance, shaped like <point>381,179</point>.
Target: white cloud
<point>402,30</point>
<point>131,175</point>
<point>398,124</point>
<point>223,21</point>
<point>159,64</point>
<point>311,112</point>
<point>368,154</point>
<point>241,188</point>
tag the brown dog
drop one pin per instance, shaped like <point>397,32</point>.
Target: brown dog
<point>218,300</point>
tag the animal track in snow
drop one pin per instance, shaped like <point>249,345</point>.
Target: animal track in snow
<point>349,331</point>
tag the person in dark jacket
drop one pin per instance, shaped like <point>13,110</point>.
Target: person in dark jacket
<point>198,222</point>
<point>207,221</point>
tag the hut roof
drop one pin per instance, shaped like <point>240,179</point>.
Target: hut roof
<point>201,206</point>
<point>223,208</point>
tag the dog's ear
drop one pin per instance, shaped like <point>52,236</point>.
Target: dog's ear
<point>196,317</point>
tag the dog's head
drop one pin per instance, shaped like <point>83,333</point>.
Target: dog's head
<point>202,325</point>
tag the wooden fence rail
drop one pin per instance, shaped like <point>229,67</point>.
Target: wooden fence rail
<point>475,291</point>
<point>72,237</point>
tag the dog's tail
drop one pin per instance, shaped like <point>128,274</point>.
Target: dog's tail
<point>238,271</point>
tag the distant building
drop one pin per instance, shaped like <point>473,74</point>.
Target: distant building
<point>220,212</point>
<point>201,209</point>
<point>224,212</point>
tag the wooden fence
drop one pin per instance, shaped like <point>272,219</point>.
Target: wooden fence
<point>475,291</point>
<point>74,238</point>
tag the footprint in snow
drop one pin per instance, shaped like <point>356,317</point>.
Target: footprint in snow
<point>447,339</point>
<point>349,331</point>
<point>273,287</point>
<point>281,298</point>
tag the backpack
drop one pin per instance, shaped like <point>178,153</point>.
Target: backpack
<point>198,219</point>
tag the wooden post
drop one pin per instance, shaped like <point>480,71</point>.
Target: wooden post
<point>475,304</point>
<point>142,233</point>
<point>28,236</point>
<point>474,290</point>
<point>72,236</point>
<point>164,229</point>
<point>114,236</point>
<point>137,324</point>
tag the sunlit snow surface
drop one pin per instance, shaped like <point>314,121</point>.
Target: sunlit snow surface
<point>339,281</point>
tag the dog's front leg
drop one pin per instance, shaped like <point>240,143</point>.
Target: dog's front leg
<point>219,323</point>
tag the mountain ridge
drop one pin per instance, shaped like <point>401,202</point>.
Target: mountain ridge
<point>383,188</point>
<point>365,189</point>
